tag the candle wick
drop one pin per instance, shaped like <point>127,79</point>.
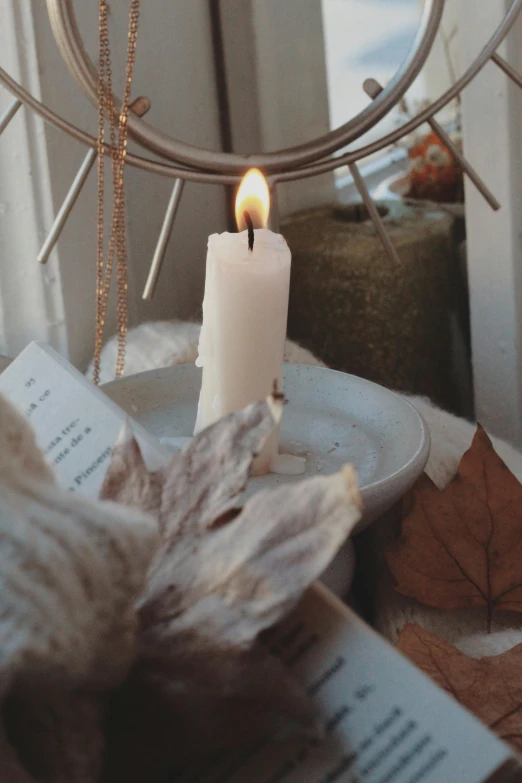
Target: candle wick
<point>250,226</point>
<point>277,394</point>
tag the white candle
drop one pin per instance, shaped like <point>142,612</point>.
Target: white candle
<point>245,311</point>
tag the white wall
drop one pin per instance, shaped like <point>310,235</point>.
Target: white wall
<point>276,71</point>
<point>492,110</point>
<point>175,69</point>
<point>437,75</point>
<point>30,296</point>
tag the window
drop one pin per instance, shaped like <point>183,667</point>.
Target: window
<point>371,38</point>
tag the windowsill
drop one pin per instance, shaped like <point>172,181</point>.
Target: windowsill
<point>374,172</point>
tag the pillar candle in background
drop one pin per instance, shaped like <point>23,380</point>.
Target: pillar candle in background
<point>245,311</point>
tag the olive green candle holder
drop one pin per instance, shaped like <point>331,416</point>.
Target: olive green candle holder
<point>361,314</point>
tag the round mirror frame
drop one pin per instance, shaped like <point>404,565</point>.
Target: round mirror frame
<point>70,43</point>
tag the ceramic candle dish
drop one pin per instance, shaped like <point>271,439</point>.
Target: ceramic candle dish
<point>331,418</point>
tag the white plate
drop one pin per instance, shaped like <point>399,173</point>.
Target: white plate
<point>331,418</point>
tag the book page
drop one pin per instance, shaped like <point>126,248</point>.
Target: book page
<point>76,425</point>
<point>385,721</point>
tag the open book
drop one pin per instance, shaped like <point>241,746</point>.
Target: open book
<point>385,721</point>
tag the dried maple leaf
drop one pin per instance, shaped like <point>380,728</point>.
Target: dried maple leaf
<point>463,546</point>
<point>221,575</point>
<point>491,688</point>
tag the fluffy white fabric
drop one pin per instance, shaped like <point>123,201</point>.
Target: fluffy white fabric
<point>482,645</point>
<point>71,570</point>
<point>161,344</point>
<point>167,343</point>
<point>450,438</point>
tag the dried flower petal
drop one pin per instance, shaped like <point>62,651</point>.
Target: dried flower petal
<point>222,575</point>
<point>128,481</point>
<point>205,479</point>
<point>244,577</point>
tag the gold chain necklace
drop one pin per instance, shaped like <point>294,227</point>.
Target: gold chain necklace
<point>118,145</point>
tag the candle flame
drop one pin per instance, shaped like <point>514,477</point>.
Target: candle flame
<point>253,197</point>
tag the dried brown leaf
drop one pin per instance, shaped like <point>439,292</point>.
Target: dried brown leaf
<point>463,546</point>
<point>491,688</point>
